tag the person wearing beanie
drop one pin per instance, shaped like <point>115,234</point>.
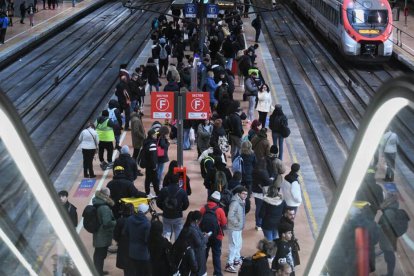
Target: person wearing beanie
<point>215,243</point>
<point>137,231</point>
<point>278,122</point>
<point>266,249</point>
<point>128,163</point>
<point>104,128</point>
<point>284,248</point>
<point>290,188</point>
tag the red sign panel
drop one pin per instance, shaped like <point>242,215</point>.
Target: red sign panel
<point>197,105</point>
<point>162,105</point>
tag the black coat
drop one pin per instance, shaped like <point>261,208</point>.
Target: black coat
<point>150,153</point>
<point>271,212</point>
<point>73,214</point>
<point>123,246</point>
<point>131,169</point>
<point>158,252</point>
<point>182,201</point>
<point>249,162</point>
<point>235,124</point>
<point>151,74</point>
<point>260,178</point>
<point>185,252</point>
<point>196,239</point>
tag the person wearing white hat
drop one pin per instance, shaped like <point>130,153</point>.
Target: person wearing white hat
<point>137,229</point>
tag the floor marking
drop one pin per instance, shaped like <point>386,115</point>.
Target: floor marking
<point>101,182</point>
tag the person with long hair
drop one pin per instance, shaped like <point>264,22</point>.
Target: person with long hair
<point>159,247</point>
<point>89,144</point>
<point>162,150</point>
<point>254,129</point>
<point>264,103</point>
<point>271,212</point>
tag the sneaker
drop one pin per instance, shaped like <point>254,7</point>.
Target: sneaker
<point>103,165</point>
<point>230,268</point>
<point>258,228</point>
<point>237,263</point>
<point>110,165</point>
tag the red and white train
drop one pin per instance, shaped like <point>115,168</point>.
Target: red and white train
<point>362,29</point>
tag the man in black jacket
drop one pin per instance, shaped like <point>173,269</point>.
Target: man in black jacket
<point>124,99</point>
<point>128,163</point>
<point>149,161</point>
<point>236,131</point>
<point>120,187</point>
<point>69,207</point>
<point>257,25</point>
<point>173,200</point>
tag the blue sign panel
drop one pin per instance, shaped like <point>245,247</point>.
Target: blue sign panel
<point>212,10</point>
<point>190,10</point>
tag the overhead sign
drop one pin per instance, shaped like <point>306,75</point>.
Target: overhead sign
<point>197,105</point>
<point>190,10</point>
<point>162,105</point>
<point>212,10</point>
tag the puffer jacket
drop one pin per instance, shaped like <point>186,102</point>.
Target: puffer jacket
<point>151,74</point>
<point>271,212</point>
<point>103,237</point>
<point>137,230</point>
<point>236,217</point>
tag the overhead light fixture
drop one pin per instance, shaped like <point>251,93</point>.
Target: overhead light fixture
<point>21,149</point>
<point>389,100</point>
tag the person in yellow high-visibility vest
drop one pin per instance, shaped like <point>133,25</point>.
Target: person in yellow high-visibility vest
<point>104,128</point>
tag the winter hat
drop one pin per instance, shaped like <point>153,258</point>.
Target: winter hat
<point>124,149</point>
<point>216,196</point>
<point>143,208</point>
<point>162,40</point>
<point>278,106</point>
<point>295,167</point>
<point>274,149</point>
<point>151,132</point>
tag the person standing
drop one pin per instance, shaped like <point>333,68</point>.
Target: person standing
<point>204,132</point>
<point>150,73</point>
<point>122,241</point>
<point>4,23</point>
<point>257,25</point>
<point>236,220</point>
<point>215,240</point>
<point>102,239</point>
<point>264,103</point>
<point>128,163</point>
<point>22,12</point>
<point>290,188</point>
<point>236,130</point>
<point>277,122</point>
<point>284,248</point>
<point>137,230</point>
<point>31,12</point>
<point>162,151</point>
<point>261,145</point>
<point>137,134</point>
<point>159,247</point>
<point>251,91</point>
<point>104,128</point>
<point>73,214</point>
<point>261,183</point>
<point>271,212</point>
<point>389,144</point>
<point>163,50</point>
<point>149,161</point>
<point>173,200</point>
<point>124,99</point>
<point>10,13</point>
<point>89,141</point>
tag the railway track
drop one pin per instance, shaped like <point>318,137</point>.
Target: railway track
<point>57,88</point>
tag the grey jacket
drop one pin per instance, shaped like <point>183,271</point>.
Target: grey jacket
<point>236,217</point>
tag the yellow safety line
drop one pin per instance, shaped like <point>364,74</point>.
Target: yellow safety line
<point>308,203</point>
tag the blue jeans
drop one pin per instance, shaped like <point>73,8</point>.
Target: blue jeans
<point>258,202</point>
<point>172,226</point>
<point>134,103</point>
<point>250,112</point>
<point>215,246</point>
<point>157,87</point>
<point>270,235</point>
<point>186,138</point>
<point>277,137</point>
<point>229,63</point>
<point>160,170</point>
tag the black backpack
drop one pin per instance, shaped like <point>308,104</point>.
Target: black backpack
<point>209,222</point>
<point>143,156</point>
<point>247,267</point>
<point>171,203</point>
<point>90,219</point>
<point>397,220</point>
<point>225,201</point>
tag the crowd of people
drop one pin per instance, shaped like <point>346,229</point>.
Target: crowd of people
<point>236,167</point>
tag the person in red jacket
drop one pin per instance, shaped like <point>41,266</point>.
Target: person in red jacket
<point>215,242</point>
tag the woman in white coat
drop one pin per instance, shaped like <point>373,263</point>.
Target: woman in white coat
<point>89,144</point>
<point>264,103</point>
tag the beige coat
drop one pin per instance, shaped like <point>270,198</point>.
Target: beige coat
<point>137,131</point>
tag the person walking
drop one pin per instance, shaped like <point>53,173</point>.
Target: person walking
<point>4,23</point>
<point>215,240</point>
<point>264,103</point>
<point>236,220</point>
<point>173,200</point>
<point>104,128</point>
<point>204,132</point>
<point>277,123</point>
<point>149,161</point>
<point>389,146</point>
<point>102,239</point>
<point>284,248</point>
<point>115,116</point>
<point>73,214</point>
<point>163,50</point>
<point>89,141</point>
<point>257,25</point>
<point>137,230</point>
<point>22,11</point>
<point>290,188</point>
<point>162,151</point>
<point>248,164</point>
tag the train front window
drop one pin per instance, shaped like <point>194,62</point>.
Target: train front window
<point>368,17</point>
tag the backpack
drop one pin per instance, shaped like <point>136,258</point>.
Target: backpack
<point>170,202</point>
<point>209,222</point>
<point>163,52</point>
<point>247,268</point>
<point>143,156</point>
<point>226,196</point>
<point>112,115</point>
<point>237,164</point>
<point>203,165</point>
<point>397,220</point>
<point>90,219</point>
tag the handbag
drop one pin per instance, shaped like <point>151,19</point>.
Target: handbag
<point>160,150</point>
<point>285,132</point>
<point>96,145</point>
